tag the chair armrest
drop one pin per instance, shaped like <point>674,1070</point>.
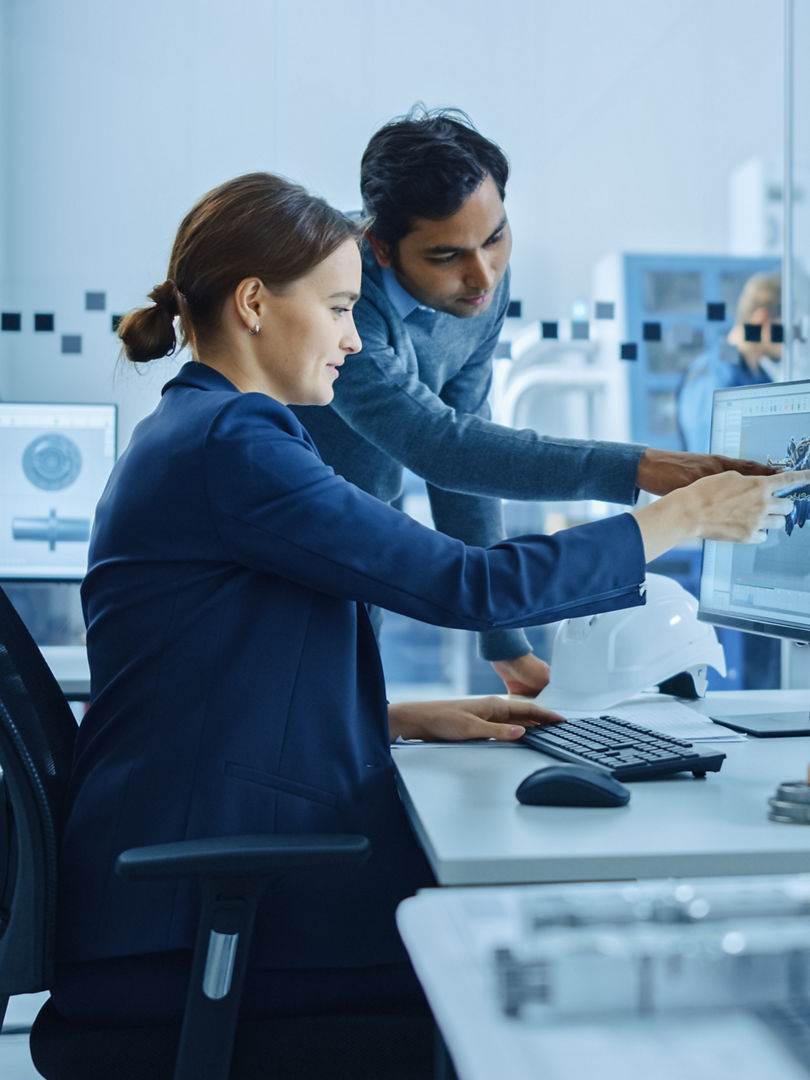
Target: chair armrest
<point>226,856</point>
<point>233,873</point>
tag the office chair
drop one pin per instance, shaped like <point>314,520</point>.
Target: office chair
<point>37,733</point>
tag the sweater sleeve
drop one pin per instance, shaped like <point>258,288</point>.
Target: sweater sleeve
<point>477,519</point>
<point>381,397</point>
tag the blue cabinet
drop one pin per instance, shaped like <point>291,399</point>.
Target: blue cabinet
<point>675,307</point>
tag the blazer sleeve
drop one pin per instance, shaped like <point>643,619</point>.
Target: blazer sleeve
<point>279,509</point>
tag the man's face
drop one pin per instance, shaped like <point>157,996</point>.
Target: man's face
<point>454,265</point>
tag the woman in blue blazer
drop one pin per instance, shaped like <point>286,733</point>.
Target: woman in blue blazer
<point>236,682</point>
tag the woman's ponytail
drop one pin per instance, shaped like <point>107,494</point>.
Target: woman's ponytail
<point>148,333</point>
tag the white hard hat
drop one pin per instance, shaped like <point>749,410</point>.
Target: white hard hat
<point>599,660</point>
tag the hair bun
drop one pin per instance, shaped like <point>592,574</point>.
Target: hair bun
<point>148,333</point>
<point>166,298</point>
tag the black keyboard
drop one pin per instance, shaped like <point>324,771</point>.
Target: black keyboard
<point>628,751</point>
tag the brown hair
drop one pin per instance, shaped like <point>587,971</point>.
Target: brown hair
<point>258,225</point>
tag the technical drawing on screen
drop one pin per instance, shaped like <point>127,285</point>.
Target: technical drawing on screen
<point>763,588</point>
<point>54,463</point>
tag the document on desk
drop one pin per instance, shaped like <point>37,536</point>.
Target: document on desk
<point>670,717</point>
<point>667,715</point>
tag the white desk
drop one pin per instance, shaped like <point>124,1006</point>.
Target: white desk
<point>454,966</point>
<point>70,668</point>
<point>461,800</point>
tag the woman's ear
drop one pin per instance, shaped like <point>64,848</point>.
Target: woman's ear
<point>248,301</point>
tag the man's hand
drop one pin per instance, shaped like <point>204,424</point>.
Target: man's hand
<point>470,718</point>
<point>526,675</point>
<point>660,471</point>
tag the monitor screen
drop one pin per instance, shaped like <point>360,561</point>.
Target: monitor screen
<point>762,588</point>
<point>54,463</point>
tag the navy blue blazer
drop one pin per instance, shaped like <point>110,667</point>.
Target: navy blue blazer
<point>236,682</point>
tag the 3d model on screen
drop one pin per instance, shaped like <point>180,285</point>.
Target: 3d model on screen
<point>52,462</point>
<point>51,529</point>
<point>797,457</point>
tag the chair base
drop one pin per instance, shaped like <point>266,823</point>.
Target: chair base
<point>367,1046</point>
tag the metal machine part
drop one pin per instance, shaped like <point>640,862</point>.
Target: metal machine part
<point>52,462</point>
<point>52,529</point>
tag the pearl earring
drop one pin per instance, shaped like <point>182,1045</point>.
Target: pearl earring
<point>254,331</point>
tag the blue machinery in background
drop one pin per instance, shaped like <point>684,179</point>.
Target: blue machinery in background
<point>676,307</point>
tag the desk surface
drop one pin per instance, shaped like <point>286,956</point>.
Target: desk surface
<point>450,933</point>
<point>462,804</point>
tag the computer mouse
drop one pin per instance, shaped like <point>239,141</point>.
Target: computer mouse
<point>572,785</point>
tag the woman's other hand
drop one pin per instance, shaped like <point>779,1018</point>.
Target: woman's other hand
<point>467,718</point>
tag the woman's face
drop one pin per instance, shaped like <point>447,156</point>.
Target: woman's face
<point>309,328</point>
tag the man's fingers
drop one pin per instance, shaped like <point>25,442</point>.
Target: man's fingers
<point>752,468</point>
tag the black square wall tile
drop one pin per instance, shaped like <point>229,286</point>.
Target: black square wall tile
<point>549,329</point>
<point>715,312</point>
<point>43,322</point>
<point>10,320</point>
<point>628,350</point>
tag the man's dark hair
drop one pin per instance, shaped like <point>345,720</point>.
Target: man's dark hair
<point>424,165</point>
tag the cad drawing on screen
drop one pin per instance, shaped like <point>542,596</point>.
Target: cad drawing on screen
<point>54,462</point>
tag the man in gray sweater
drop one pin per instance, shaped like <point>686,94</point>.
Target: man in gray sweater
<point>434,296</point>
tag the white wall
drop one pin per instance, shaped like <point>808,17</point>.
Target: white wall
<point>622,122</point>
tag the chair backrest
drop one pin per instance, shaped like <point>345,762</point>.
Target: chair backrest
<point>37,734</point>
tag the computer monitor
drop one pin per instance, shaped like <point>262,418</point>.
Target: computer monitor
<point>761,588</point>
<point>54,463</point>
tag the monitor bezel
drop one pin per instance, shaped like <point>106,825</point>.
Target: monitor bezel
<point>752,626</point>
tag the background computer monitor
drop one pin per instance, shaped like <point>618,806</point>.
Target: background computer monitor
<point>760,588</point>
<point>54,463</point>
